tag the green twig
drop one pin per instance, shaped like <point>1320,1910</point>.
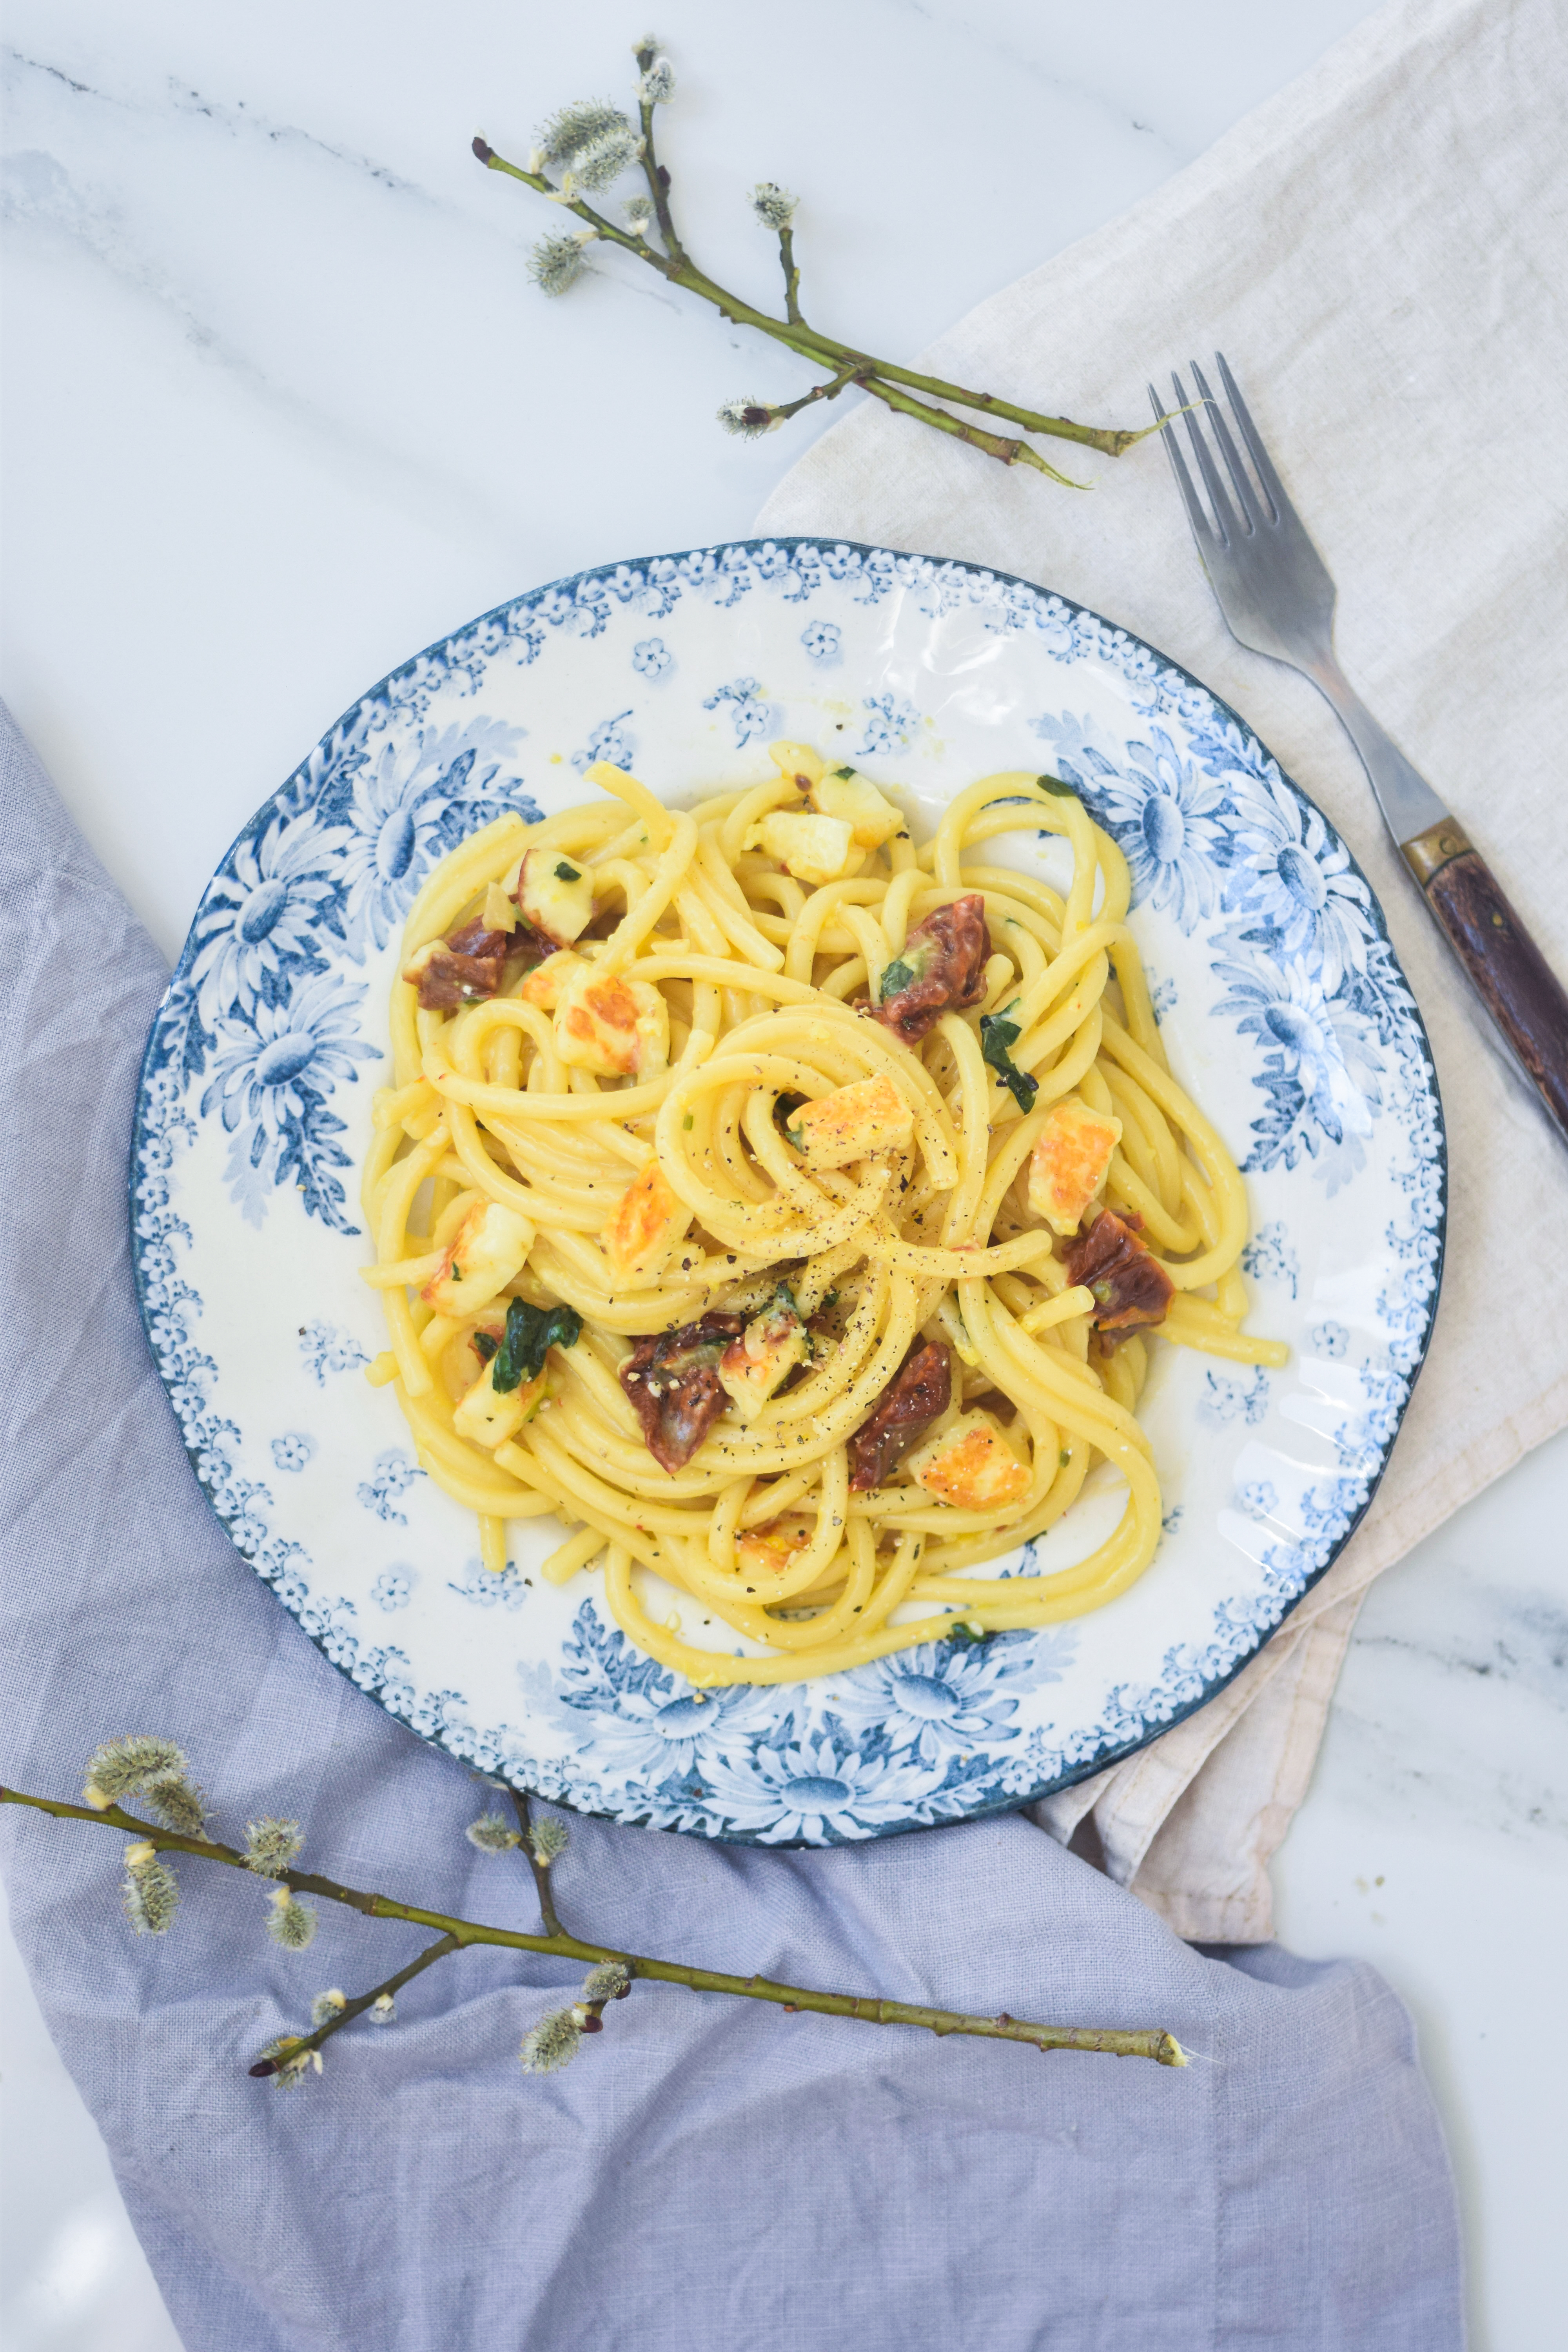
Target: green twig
<point>456,1934</point>
<point>883,379</point>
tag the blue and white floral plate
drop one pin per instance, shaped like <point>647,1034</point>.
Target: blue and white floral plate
<point>1286,1013</point>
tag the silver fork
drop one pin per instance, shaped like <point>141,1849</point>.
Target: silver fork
<point>1278,599</point>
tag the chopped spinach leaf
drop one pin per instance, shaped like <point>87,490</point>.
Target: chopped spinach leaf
<point>895,976</point>
<point>485,1345</point>
<point>564,873</point>
<point>843,772</point>
<point>1055,785</point>
<point>996,1034</point>
<point>531,1333</point>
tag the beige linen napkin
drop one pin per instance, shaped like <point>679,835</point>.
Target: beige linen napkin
<point>1380,253</point>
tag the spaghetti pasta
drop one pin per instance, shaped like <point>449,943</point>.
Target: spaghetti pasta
<point>789,1208</point>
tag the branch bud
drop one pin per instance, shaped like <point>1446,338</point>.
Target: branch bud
<point>290,1922</point>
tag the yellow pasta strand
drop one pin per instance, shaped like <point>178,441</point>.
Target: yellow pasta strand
<point>643,1180</point>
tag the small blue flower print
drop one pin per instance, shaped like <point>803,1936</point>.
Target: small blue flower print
<point>1224,1401</point>
<point>652,658</point>
<point>392,1587</point>
<point>892,721</point>
<point>1269,1257</point>
<point>1163,999</point>
<point>1329,1338</point>
<point>1172,1519</point>
<point>394,1474</point>
<point>608,740</point>
<point>482,1585</point>
<point>750,713</point>
<point>824,642</point>
<point>326,1347</point>
<point>292,1450</point>
<point>1258,1498</point>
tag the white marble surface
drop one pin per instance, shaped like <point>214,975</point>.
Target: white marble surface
<point>279,407</point>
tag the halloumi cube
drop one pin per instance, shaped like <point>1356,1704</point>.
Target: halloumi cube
<point>766,1553</point>
<point>752,1367</point>
<point>1070,1161</point>
<point>487,1416</point>
<point>970,1465</point>
<point>644,1233</point>
<point>546,980</point>
<point>799,763</point>
<point>853,1121</point>
<point>616,1028</point>
<point>871,819</point>
<point>813,848</point>
<point>555,893</point>
<point>488,1248</point>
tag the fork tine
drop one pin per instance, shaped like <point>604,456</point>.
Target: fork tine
<point>1246,495</point>
<point>1224,520</point>
<point>1273,488</point>
<point>1202,530</point>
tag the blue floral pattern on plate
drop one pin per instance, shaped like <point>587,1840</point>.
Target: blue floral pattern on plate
<point>1295,1025</point>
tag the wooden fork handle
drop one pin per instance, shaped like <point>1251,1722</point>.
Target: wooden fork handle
<point>1507,969</point>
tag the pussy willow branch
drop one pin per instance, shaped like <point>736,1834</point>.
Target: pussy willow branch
<point>878,376</point>
<point>459,1934</point>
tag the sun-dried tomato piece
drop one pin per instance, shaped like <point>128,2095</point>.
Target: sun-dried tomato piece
<point>942,970</point>
<point>1131,1289</point>
<point>918,1391</point>
<point>672,1381</point>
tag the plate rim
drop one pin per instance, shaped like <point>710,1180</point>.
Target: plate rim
<point>1109,1754</point>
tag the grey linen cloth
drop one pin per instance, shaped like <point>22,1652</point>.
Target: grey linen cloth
<point>711,2174</point>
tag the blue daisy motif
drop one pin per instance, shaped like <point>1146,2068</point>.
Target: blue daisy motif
<point>259,919</point>
<point>1319,1067</point>
<point>608,740</point>
<point>1293,878</point>
<point>1331,1339</point>
<point>292,1450</point>
<point>751,712</point>
<point>823,642</point>
<point>1167,817</point>
<point>272,1075</point>
<point>651,657</point>
<point>392,1587</point>
<point>411,803</point>
<point>891,721</point>
<point>948,1698</point>
<point>1258,1498</point>
<point>658,1733</point>
<point>818,1788</point>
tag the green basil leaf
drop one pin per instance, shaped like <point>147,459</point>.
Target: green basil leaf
<point>996,1034</point>
<point>531,1333</point>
